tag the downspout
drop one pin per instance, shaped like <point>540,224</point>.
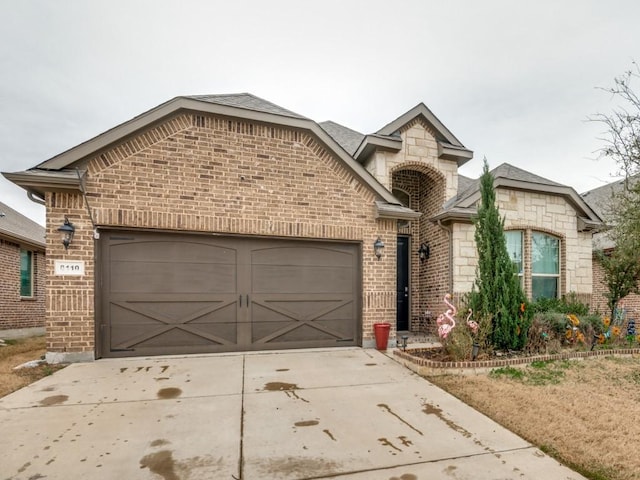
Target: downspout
<point>86,202</point>
<point>450,236</point>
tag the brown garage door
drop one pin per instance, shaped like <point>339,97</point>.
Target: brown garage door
<point>169,293</point>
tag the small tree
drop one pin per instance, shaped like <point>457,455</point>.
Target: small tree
<point>621,273</point>
<point>497,293</point>
<point>621,266</point>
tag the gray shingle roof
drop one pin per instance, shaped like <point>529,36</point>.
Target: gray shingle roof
<point>600,198</point>
<point>470,186</point>
<point>463,206</point>
<point>246,101</point>
<point>16,226</point>
<point>347,138</point>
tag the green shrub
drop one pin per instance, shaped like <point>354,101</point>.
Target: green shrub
<point>567,304</point>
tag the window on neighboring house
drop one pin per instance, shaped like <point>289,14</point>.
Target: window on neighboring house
<point>539,270</point>
<point>545,266</point>
<point>26,273</point>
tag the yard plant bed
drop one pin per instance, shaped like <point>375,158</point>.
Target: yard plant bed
<point>583,411</point>
<point>17,352</point>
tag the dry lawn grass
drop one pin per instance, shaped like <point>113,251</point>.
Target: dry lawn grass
<point>585,413</point>
<point>16,353</point>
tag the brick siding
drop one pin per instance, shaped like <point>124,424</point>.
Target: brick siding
<point>17,312</point>
<point>203,173</point>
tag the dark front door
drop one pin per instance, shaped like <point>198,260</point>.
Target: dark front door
<point>172,294</point>
<point>402,311</point>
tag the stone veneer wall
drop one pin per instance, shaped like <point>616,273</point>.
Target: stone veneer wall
<point>531,211</point>
<point>203,173</point>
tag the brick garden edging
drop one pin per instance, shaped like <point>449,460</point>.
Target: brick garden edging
<point>425,366</point>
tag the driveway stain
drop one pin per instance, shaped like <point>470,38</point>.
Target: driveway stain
<point>388,409</point>
<point>387,443</point>
<point>169,393</point>
<point>433,410</point>
<point>54,400</point>
<point>159,442</point>
<point>288,388</point>
<point>329,434</point>
<point>161,463</point>
<point>306,423</point>
<point>297,467</point>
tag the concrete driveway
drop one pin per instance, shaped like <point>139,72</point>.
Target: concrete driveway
<point>340,413</point>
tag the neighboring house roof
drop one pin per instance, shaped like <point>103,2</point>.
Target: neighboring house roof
<point>20,229</point>
<point>601,201</point>
<point>59,173</point>
<point>600,198</point>
<point>463,206</point>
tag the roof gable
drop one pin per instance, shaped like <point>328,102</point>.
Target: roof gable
<point>463,206</point>
<point>449,147</point>
<point>58,172</point>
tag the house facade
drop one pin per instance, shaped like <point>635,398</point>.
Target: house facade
<point>225,222</point>
<point>22,271</point>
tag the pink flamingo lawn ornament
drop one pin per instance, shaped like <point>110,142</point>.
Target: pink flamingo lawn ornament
<point>446,321</point>
<point>472,324</point>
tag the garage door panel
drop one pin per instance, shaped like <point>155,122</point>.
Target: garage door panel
<point>290,333</point>
<point>169,277</point>
<point>302,256</point>
<point>123,313</point>
<point>301,308</point>
<point>135,338</point>
<point>301,279</point>
<point>175,251</point>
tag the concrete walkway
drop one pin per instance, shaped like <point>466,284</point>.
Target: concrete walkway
<point>314,414</point>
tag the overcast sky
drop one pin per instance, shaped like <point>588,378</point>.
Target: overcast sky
<point>514,80</point>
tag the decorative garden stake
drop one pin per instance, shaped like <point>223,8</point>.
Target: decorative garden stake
<point>446,321</point>
<point>472,324</point>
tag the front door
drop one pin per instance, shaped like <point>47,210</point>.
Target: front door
<point>402,290</point>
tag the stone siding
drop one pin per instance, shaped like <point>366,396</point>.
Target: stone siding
<point>529,211</point>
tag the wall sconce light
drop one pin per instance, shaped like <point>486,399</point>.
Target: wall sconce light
<point>66,232</point>
<point>378,246</point>
<point>424,252</point>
